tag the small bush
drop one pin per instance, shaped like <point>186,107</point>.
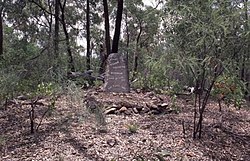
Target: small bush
<point>132,128</point>
<point>230,89</point>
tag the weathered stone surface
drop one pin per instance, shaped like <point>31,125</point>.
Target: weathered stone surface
<point>110,111</point>
<point>123,109</point>
<point>155,98</point>
<point>129,111</point>
<point>163,105</point>
<point>145,110</point>
<point>116,78</point>
<point>112,142</point>
<point>153,107</point>
<point>139,108</point>
<point>135,110</point>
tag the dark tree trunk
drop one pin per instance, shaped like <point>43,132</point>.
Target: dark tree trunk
<point>32,118</point>
<point>70,56</point>
<point>245,72</point>
<point>1,28</point>
<point>127,33</point>
<point>118,21</point>
<point>107,33</point>
<point>107,38</point>
<point>1,36</point>
<point>56,34</point>
<point>135,65</point>
<point>88,54</point>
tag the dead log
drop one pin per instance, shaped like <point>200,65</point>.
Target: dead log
<point>86,75</point>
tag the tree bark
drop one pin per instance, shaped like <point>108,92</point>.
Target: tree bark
<point>127,33</point>
<point>118,21</point>
<point>107,38</point>
<point>135,65</point>
<point>1,36</point>
<point>88,54</point>
<point>70,56</point>
<point>1,28</point>
<point>245,72</point>
<point>56,34</point>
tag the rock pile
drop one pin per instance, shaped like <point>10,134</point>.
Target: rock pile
<point>130,108</point>
<point>133,103</point>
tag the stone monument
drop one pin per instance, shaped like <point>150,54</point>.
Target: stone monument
<point>116,76</point>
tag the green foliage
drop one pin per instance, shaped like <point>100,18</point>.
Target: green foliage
<point>175,42</point>
<point>46,89</point>
<point>3,144</point>
<point>132,128</point>
<point>98,83</point>
<point>207,39</point>
<point>153,78</point>
<point>25,69</point>
<point>173,104</point>
<point>230,89</point>
<point>52,106</point>
<point>8,84</point>
<point>74,93</point>
<point>174,87</point>
<point>2,141</point>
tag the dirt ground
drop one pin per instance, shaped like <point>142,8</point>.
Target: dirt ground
<point>70,133</point>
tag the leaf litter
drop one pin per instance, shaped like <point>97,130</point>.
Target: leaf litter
<point>71,132</point>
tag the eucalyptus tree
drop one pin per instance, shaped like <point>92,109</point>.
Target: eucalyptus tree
<point>1,36</point>
<point>208,39</point>
<point>117,32</point>
<point>106,52</point>
<point>48,24</point>
<point>118,21</point>
<point>142,24</point>
<point>134,28</point>
<point>57,28</point>
<point>1,28</point>
<point>88,36</point>
<point>65,17</point>
<point>245,72</point>
<point>2,4</point>
<point>71,66</point>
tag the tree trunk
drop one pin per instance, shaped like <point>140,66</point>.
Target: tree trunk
<point>107,38</point>
<point>1,36</point>
<point>127,33</point>
<point>118,21</point>
<point>135,66</point>
<point>88,54</point>
<point>56,34</point>
<point>70,56</point>
<point>1,28</point>
<point>245,68</point>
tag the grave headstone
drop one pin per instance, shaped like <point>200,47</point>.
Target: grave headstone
<point>116,77</point>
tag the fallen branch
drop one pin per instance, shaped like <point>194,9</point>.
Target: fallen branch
<point>85,75</point>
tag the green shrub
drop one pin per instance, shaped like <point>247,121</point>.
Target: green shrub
<point>230,89</point>
<point>132,128</point>
<point>153,77</point>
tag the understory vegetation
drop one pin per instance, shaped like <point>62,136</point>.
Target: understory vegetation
<point>196,52</point>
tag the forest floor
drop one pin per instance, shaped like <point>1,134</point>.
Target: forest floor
<point>69,132</point>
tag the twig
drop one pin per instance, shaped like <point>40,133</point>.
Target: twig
<point>183,128</point>
<point>42,118</point>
